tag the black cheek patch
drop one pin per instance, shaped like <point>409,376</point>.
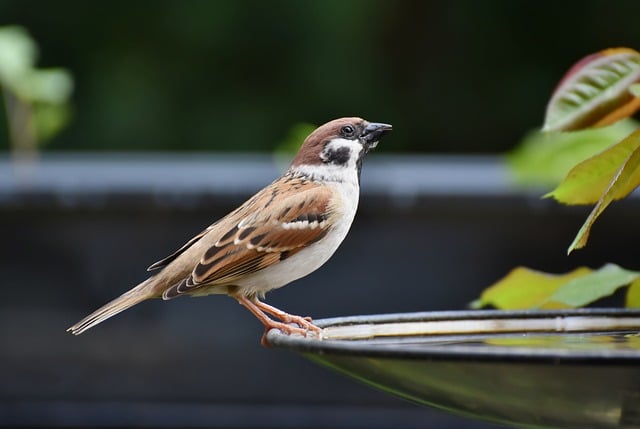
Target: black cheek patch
<point>339,156</point>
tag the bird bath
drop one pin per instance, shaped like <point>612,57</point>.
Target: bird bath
<point>557,369</point>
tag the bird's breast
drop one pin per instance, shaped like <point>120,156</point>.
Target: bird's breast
<point>315,255</point>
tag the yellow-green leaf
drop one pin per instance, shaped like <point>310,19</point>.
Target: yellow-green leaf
<point>50,119</point>
<point>589,180</point>
<point>626,179</point>
<point>524,288</point>
<point>586,289</point>
<point>632,299</point>
<point>545,158</point>
<point>595,91</point>
<point>52,86</point>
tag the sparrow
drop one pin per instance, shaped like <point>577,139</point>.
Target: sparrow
<point>284,232</point>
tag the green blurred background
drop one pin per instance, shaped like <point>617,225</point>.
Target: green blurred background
<point>452,76</point>
<point>461,76</point>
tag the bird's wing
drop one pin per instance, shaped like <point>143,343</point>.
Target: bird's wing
<point>275,224</point>
<point>166,261</point>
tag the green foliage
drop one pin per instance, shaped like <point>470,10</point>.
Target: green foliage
<point>597,284</point>
<point>625,179</point>
<point>524,288</point>
<point>545,158</point>
<point>294,138</point>
<point>17,54</point>
<point>591,179</point>
<point>456,77</point>
<point>599,90</point>
<point>36,100</point>
<point>633,295</point>
<point>286,149</point>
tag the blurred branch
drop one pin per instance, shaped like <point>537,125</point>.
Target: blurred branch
<point>22,134</point>
<point>36,100</point>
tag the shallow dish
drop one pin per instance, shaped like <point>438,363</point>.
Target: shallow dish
<point>572,368</point>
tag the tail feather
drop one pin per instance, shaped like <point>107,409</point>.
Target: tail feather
<point>128,299</point>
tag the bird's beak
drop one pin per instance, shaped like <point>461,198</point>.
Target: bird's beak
<point>373,132</point>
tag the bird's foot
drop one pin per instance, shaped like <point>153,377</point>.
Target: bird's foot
<point>305,323</point>
<point>286,323</point>
<point>302,322</point>
<point>288,328</point>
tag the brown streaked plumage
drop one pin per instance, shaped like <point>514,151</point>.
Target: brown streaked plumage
<point>253,240</point>
<point>282,233</point>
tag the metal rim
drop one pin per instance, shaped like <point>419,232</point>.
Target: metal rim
<point>560,322</point>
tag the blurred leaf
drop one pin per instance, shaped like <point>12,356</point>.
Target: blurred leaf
<point>50,119</point>
<point>35,100</point>
<point>544,158</point>
<point>586,289</point>
<point>294,138</point>
<point>18,54</point>
<point>632,299</point>
<point>595,91</point>
<point>51,86</point>
<point>287,148</point>
<point>589,180</point>
<point>524,288</point>
<point>626,179</point>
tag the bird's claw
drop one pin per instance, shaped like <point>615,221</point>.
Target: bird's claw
<point>305,323</point>
<point>304,328</point>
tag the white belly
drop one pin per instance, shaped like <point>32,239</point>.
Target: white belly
<point>311,258</point>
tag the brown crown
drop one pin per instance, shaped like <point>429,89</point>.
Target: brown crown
<point>309,153</point>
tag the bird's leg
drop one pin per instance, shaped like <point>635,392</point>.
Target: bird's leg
<point>303,322</point>
<point>256,310</point>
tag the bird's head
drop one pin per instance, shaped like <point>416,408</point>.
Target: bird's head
<point>339,145</point>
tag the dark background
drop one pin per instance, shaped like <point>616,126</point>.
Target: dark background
<point>454,77</point>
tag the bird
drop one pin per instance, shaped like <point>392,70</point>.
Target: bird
<point>284,232</point>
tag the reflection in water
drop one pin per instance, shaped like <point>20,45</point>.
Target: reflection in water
<point>596,341</point>
<point>590,341</point>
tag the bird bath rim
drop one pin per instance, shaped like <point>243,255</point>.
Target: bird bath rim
<point>392,335</point>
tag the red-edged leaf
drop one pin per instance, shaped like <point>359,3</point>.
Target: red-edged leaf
<point>595,91</point>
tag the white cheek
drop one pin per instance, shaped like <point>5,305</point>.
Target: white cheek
<point>345,173</point>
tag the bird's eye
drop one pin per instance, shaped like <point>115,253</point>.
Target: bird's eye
<point>347,131</point>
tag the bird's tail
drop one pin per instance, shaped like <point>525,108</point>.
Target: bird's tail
<point>128,299</point>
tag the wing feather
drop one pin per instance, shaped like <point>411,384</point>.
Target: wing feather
<point>166,261</point>
<point>277,224</point>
